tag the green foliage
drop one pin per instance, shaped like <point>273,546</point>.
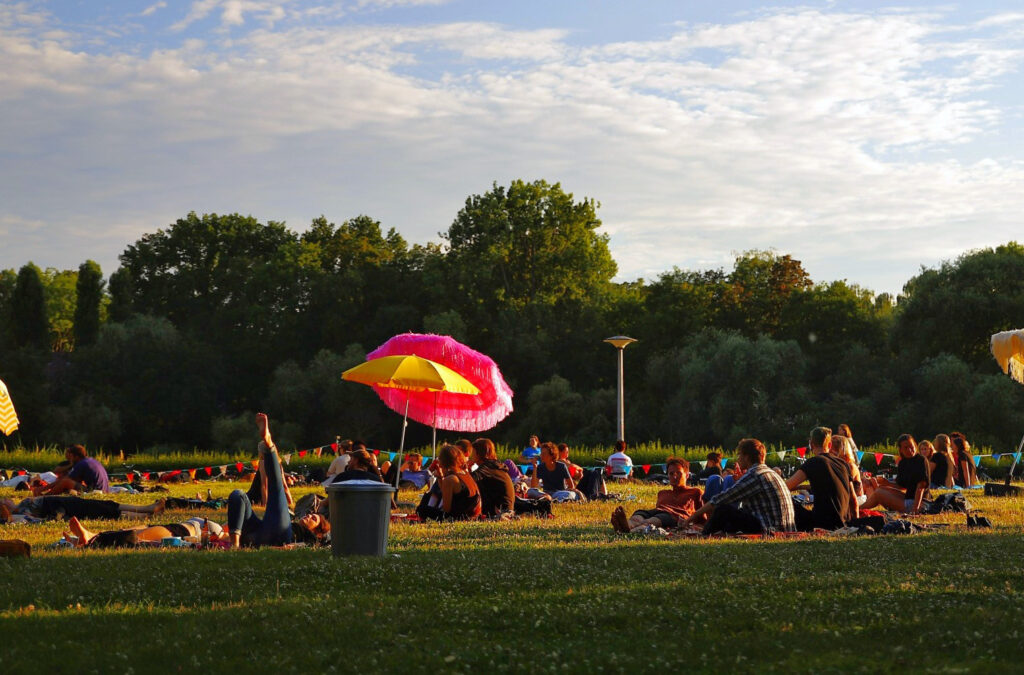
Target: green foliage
<point>59,291</point>
<point>955,308</point>
<point>120,295</point>
<point>28,309</point>
<point>89,300</point>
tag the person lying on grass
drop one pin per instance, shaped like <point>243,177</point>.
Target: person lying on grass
<point>835,500</point>
<point>35,509</point>
<point>553,476</point>
<point>671,507</point>
<point>247,529</point>
<point>912,481</point>
<point>311,529</point>
<point>767,506</point>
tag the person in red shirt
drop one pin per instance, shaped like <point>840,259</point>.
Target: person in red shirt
<point>671,507</point>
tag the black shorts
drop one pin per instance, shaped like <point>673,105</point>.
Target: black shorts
<point>668,520</point>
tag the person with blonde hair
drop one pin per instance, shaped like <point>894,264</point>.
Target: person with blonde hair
<point>912,481</point>
<point>942,461</point>
<point>840,447</point>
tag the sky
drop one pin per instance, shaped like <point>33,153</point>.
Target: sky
<point>865,139</point>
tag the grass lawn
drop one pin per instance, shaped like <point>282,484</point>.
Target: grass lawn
<point>559,595</point>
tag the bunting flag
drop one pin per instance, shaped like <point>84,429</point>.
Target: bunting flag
<point>145,476</point>
<point>977,460</point>
<point>524,467</point>
<point>703,464</point>
<point>1016,456</point>
<point>287,459</point>
<point>801,452</point>
<point>878,458</point>
<point>318,451</point>
<point>781,454</point>
<point>334,448</point>
<point>223,469</point>
<point>376,452</point>
<point>860,456</point>
<point>628,469</point>
<point>391,456</point>
<point>255,464</point>
<point>302,453</point>
<point>192,474</point>
<point>208,470</point>
<point>647,468</point>
<point>997,456</point>
<point>238,466</point>
<point>131,477</point>
<point>725,462</point>
<point>8,417</point>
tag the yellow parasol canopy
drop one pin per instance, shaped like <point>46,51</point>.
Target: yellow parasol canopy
<point>8,417</point>
<point>1008,348</point>
<point>413,373</point>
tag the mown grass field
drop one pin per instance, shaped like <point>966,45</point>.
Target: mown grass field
<point>558,595</point>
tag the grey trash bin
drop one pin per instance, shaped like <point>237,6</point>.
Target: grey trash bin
<point>360,515</point>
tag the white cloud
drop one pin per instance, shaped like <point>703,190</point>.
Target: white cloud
<point>152,9</point>
<point>832,136</point>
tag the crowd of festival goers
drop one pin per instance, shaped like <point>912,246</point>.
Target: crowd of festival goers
<point>467,481</point>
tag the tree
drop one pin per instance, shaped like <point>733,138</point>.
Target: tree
<point>8,281</point>
<point>28,307</point>
<point>529,244</point>
<point>761,284</point>
<point>120,295</point>
<point>89,299</point>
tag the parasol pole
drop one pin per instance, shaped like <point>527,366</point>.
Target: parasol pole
<point>401,446</point>
<point>1016,458</point>
<point>434,441</point>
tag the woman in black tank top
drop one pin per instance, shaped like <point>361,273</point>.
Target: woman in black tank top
<point>460,496</point>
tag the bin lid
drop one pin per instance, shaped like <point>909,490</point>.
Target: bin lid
<point>360,486</point>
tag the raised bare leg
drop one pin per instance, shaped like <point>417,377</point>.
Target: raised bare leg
<point>77,529</point>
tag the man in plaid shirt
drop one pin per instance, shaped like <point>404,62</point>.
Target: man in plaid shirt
<point>767,504</point>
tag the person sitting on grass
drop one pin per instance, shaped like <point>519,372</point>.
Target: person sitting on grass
<point>672,505</point>
<point>575,470</point>
<point>47,507</point>
<point>85,475</point>
<point>497,493</point>
<point>247,529</point>
<point>722,481</point>
<point>840,447</point>
<point>766,504</point>
<point>966,471</point>
<point>940,461</point>
<point>835,500</point>
<point>460,495</point>
<point>912,481</point>
<point>552,476</point>
<point>713,466</point>
<point>619,463</point>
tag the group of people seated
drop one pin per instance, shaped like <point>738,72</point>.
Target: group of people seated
<point>755,498</point>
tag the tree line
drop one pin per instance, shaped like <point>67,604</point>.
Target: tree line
<point>216,316</point>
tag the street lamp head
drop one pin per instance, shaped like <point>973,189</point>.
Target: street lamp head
<point>620,341</point>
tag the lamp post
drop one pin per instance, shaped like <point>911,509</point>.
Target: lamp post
<point>620,342</point>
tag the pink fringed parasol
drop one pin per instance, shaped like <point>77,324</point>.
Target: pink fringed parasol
<point>454,412</point>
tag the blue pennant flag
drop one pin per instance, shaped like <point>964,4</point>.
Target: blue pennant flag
<point>725,460</point>
<point>524,467</point>
<point>997,456</point>
<point>977,460</point>
<point>860,455</point>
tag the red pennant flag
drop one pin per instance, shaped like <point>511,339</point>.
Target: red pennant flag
<point>145,476</point>
<point>376,452</point>
<point>878,458</point>
<point>801,451</point>
<point>334,448</point>
<point>256,464</point>
<point>131,477</point>
<point>647,468</point>
<point>208,470</point>
<point>176,472</point>
<point>302,453</point>
<point>239,466</point>
<point>22,472</point>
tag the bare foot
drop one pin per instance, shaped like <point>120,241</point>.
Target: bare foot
<point>159,506</point>
<point>84,535</point>
<point>264,426</point>
<point>619,520</point>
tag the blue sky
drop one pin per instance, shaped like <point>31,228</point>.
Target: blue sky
<point>865,139</point>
